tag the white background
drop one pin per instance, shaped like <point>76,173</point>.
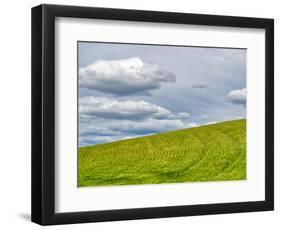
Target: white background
<point>15,115</point>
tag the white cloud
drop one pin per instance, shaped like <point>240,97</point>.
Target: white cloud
<point>98,131</point>
<point>91,140</point>
<point>107,119</point>
<point>199,85</point>
<point>126,109</point>
<point>238,96</point>
<point>147,126</point>
<point>192,124</point>
<point>123,77</point>
<point>113,130</point>
<point>182,115</point>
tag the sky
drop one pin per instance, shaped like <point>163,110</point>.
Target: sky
<point>133,90</point>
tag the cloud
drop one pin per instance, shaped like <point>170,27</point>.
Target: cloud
<point>238,96</point>
<point>192,124</point>
<point>199,85</point>
<point>123,77</point>
<point>110,108</point>
<point>91,140</point>
<point>146,127</point>
<point>98,131</point>
<point>182,115</point>
<point>204,77</point>
<point>107,119</point>
<point>113,130</point>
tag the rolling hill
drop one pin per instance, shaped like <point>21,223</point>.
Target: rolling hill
<point>207,153</point>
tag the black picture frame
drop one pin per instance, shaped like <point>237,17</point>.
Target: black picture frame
<point>43,114</point>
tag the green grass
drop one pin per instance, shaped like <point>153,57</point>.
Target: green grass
<point>208,153</point>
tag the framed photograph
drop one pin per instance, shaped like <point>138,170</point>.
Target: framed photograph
<point>142,114</point>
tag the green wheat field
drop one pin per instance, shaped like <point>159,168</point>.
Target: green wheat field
<point>208,153</point>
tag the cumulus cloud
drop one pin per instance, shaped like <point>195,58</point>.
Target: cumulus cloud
<point>124,109</point>
<point>98,131</point>
<point>147,126</point>
<point>199,85</point>
<point>86,140</point>
<point>238,96</point>
<point>108,119</point>
<point>181,115</point>
<point>123,76</point>
<point>113,130</point>
<point>210,123</point>
<point>192,124</point>
<point>91,140</point>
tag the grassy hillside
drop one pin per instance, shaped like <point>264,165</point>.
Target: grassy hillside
<point>207,153</point>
